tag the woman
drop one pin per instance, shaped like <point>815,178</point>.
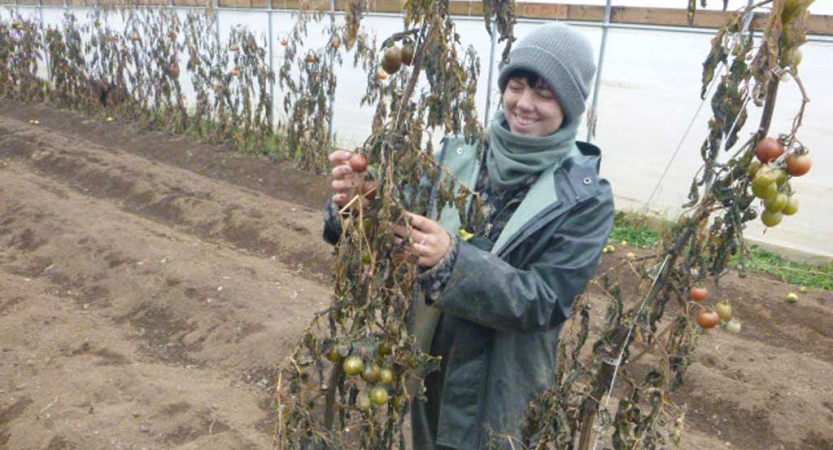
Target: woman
<point>494,304</point>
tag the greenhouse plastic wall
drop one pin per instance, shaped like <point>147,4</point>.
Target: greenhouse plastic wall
<point>649,118</point>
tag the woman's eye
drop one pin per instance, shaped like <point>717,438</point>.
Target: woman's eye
<point>546,94</point>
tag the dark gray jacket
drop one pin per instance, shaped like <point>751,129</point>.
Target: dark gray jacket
<point>502,311</point>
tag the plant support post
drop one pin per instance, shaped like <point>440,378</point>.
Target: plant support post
<point>271,38</point>
<point>491,73</point>
<point>591,122</point>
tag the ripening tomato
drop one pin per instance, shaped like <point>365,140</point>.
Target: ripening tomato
<point>798,164</point>
<point>235,72</point>
<point>768,149</point>
<point>382,74</point>
<point>699,294</point>
<point>724,310</point>
<point>392,59</point>
<point>371,373</point>
<point>708,319</point>
<point>358,163</point>
<point>284,42</point>
<point>386,376</point>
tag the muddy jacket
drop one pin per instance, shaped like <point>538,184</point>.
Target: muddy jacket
<point>501,311</point>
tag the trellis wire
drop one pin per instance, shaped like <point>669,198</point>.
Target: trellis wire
<point>625,343</point>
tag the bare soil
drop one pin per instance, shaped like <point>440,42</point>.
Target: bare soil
<point>150,285</point>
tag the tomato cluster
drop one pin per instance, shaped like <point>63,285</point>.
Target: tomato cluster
<point>372,364</point>
<point>770,175</point>
<point>394,57</point>
<point>712,317</point>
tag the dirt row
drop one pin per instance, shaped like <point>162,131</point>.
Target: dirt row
<point>150,286</point>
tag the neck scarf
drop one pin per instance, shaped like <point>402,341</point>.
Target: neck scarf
<point>513,157</point>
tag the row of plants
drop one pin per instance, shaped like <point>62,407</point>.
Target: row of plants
<point>136,72</point>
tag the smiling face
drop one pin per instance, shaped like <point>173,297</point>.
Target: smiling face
<point>531,107</point>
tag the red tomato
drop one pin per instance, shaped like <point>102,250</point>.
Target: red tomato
<point>798,165</point>
<point>358,163</point>
<point>699,294</point>
<point>768,149</point>
<point>708,319</point>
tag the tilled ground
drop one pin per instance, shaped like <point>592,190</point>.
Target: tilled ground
<point>150,286</point>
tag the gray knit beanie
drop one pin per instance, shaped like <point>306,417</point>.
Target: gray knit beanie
<point>562,57</point>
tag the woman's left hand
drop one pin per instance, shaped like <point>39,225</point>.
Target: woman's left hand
<point>430,241</point>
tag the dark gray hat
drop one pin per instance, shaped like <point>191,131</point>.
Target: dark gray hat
<point>563,57</point>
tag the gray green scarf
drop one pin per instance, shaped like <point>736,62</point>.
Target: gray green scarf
<point>512,157</point>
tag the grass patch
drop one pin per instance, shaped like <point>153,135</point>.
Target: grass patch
<point>799,274</point>
<point>636,231</point>
<point>633,231</point>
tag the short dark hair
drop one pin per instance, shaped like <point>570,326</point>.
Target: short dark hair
<point>532,78</point>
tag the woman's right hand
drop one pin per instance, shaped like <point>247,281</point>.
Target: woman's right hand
<point>345,181</point>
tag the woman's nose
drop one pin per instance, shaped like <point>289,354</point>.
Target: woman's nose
<point>526,100</point>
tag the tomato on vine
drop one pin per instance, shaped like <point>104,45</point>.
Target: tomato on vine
<point>724,310</point>
<point>358,163</point>
<point>699,294</point>
<point>379,396</point>
<point>768,149</point>
<point>708,319</point>
<point>353,365</point>
<point>799,164</point>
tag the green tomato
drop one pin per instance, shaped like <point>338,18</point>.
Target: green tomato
<point>353,365</point>
<point>791,207</point>
<point>770,218</point>
<point>764,192</point>
<point>753,168</point>
<point>379,396</point>
<point>777,203</point>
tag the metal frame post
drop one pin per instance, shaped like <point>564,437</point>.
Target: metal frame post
<point>43,42</point>
<point>332,112</point>
<point>591,122</point>
<point>217,20</point>
<point>271,66</point>
<point>486,117</point>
